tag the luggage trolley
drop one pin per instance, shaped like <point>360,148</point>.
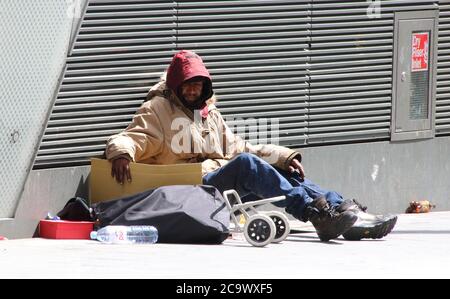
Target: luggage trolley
<point>261,227</point>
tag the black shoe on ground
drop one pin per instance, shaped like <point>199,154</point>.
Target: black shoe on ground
<point>367,226</point>
<point>329,223</point>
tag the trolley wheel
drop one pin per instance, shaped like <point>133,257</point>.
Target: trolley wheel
<point>259,230</point>
<point>281,224</point>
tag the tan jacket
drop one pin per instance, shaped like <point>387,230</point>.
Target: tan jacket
<point>163,131</point>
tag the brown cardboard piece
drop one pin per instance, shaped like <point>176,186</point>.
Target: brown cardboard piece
<point>103,187</point>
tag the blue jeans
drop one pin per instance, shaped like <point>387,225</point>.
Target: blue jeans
<point>254,178</point>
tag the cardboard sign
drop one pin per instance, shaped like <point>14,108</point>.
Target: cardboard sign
<point>103,187</point>
<point>420,51</point>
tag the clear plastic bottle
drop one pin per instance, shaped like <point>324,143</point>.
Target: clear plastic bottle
<point>121,234</point>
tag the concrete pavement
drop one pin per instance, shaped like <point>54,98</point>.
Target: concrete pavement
<point>419,247</point>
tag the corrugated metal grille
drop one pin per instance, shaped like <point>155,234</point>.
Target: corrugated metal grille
<point>256,52</point>
<point>443,72</point>
<point>121,50</point>
<point>322,68</point>
<point>351,69</point>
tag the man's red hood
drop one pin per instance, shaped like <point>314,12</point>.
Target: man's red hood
<point>186,65</point>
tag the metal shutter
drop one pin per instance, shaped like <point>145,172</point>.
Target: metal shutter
<point>322,68</point>
<point>351,70</point>
<point>121,50</point>
<point>256,53</point>
<point>443,76</point>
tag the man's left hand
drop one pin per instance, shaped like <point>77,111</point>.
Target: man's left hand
<point>296,166</point>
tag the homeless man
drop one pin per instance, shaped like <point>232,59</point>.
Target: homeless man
<point>184,99</point>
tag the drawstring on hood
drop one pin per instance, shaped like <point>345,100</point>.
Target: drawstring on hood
<point>187,65</point>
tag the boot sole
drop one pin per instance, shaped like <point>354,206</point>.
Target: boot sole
<point>377,231</point>
<point>347,225</point>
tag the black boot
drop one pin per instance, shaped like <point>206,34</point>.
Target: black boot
<point>329,224</point>
<point>367,225</point>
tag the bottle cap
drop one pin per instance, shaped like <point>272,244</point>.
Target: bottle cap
<point>93,235</point>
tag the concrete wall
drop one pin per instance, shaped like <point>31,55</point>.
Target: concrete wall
<point>385,176</point>
<point>45,191</point>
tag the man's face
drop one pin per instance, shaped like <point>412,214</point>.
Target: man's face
<point>192,91</point>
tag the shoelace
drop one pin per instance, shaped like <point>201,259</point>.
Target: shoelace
<point>325,212</point>
<point>332,212</point>
<point>360,206</point>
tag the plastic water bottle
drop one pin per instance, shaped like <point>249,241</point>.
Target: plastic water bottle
<point>121,234</point>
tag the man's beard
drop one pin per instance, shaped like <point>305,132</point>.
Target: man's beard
<point>198,104</point>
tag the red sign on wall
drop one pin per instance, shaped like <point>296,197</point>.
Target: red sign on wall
<point>420,51</point>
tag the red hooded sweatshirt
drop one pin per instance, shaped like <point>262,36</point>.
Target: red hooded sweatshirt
<point>186,65</point>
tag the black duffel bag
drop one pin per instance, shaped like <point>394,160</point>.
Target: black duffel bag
<point>181,213</point>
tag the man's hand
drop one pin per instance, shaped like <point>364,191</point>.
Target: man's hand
<point>296,166</point>
<point>121,170</point>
